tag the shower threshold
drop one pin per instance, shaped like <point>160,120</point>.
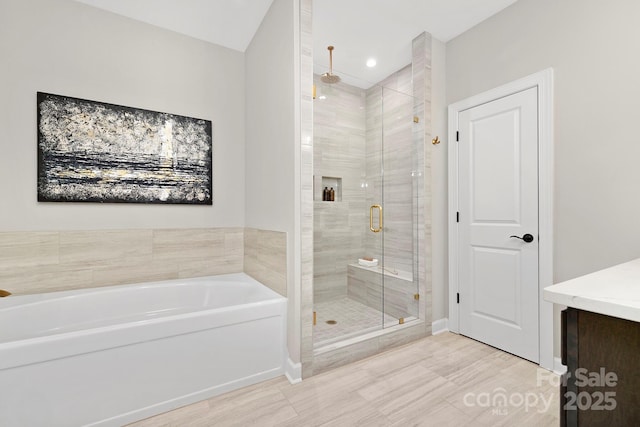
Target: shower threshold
<point>326,346</point>
<point>345,318</point>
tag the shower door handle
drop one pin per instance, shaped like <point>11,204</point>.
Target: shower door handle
<point>375,230</point>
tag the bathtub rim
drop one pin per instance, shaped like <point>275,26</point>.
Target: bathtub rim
<point>40,349</point>
<point>19,300</point>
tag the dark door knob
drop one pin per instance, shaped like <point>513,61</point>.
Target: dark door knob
<point>527,238</point>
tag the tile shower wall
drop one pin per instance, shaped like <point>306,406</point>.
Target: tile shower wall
<point>338,153</point>
<point>33,262</point>
<point>303,290</point>
<point>364,286</point>
<point>421,69</point>
<point>349,127</point>
<point>390,145</point>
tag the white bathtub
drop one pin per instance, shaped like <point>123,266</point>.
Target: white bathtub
<point>109,356</point>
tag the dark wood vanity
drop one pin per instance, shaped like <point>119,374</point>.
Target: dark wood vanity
<point>602,383</point>
<point>600,347</point>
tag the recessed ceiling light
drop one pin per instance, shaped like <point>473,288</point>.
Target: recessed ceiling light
<point>322,97</point>
<point>371,62</point>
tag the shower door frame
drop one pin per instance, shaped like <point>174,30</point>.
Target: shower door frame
<point>391,180</point>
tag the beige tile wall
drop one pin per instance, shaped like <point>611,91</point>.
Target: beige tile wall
<point>265,258</point>
<point>33,262</point>
<point>421,51</point>
<point>391,147</point>
<point>395,297</point>
<point>303,290</point>
<point>339,126</point>
<point>354,130</point>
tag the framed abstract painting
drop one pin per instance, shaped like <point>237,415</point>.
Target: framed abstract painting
<point>91,151</point>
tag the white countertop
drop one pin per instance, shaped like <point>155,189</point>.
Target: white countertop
<point>614,291</point>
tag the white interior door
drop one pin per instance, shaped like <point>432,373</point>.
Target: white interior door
<point>498,211</point>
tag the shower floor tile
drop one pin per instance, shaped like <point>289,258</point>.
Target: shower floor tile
<point>352,318</point>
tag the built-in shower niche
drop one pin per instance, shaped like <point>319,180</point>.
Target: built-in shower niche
<point>328,182</point>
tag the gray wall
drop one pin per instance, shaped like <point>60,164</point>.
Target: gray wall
<point>270,161</point>
<point>590,44</point>
<point>592,47</point>
<point>68,48</point>
<point>269,125</point>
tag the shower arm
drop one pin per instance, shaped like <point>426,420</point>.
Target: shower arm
<point>330,60</point>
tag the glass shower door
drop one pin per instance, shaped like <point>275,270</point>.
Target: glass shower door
<point>374,229</point>
<point>402,180</point>
<point>365,244</point>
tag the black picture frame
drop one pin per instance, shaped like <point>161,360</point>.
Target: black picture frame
<point>90,151</point>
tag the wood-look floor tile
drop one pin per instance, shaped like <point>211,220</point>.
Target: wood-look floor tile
<point>479,370</point>
<point>530,374</point>
<point>436,381</point>
<point>341,380</point>
<point>416,400</point>
<point>326,409</point>
<point>442,415</point>
<point>262,413</point>
<point>177,416</point>
<point>396,383</point>
<point>521,416</point>
<point>266,391</point>
<point>366,416</point>
<point>393,360</point>
<point>328,396</point>
<point>450,359</point>
<point>500,401</point>
<point>314,396</point>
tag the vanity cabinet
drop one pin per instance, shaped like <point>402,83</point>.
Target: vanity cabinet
<point>602,384</point>
<point>600,347</point>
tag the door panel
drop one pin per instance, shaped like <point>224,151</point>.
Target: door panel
<point>498,198</point>
<point>495,176</point>
<point>493,292</point>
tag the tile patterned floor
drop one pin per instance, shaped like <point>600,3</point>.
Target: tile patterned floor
<point>353,318</point>
<point>443,380</point>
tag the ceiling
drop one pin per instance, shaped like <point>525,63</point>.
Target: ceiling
<point>229,23</point>
<point>359,29</point>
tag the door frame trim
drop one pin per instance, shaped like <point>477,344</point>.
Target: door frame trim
<point>543,80</point>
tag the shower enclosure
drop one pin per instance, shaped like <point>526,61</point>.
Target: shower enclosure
<point>367,188</point>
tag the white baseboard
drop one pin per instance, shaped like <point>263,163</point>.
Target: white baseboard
<point>439,326</point>
<point>558,367</point>
<point>293,371</point>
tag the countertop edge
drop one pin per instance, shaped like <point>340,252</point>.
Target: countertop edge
<point>599,306</point>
